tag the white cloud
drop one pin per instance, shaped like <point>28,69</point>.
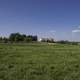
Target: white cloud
<point>53,31</point>
<point>75,31</point>
<point>79,27</point>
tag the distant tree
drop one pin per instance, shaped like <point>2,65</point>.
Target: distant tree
<point>18,37</point>
<point>74,43</point>
<point>34,38</point>
<point>29,38</point>
<point>1,39</point>
<point>15,37</point>
<point>5,40</point>
<point>63,42</point>
<point>24,37</point>
<point>12,37</point>
<point>51,40</point>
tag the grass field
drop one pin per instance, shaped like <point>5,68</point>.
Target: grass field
<point>35,61</point>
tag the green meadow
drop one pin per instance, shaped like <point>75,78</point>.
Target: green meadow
<point>39,61</point>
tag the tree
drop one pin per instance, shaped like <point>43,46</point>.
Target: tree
<point>12,37</point>
<point>24,37</point>
<point>1,39</point>
<point>5,40</point>
<point>15,37</point>
<point>29,38</point>
<point>34,38</point>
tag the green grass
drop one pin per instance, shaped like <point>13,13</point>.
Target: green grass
<point>39,61</point>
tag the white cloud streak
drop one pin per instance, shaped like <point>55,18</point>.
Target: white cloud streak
<point>79,27</point>
<point>53,31</point>
<point>75,31</point>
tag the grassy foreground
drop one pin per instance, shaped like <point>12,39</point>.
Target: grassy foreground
<point>39,62</point>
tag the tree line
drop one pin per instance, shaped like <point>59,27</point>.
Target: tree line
<point>17,37</point>
<point>67,42</point>
<point>23,38</point>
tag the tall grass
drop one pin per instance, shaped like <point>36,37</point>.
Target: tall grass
<point>39,61</point>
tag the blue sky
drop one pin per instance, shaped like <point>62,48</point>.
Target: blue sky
<point>46,18</point>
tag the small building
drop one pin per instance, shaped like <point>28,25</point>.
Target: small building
<point>46,40</point>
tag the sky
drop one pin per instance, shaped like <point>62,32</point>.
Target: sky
<point>59,19</point>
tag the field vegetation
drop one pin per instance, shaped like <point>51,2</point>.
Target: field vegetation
<point>39,61</point>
